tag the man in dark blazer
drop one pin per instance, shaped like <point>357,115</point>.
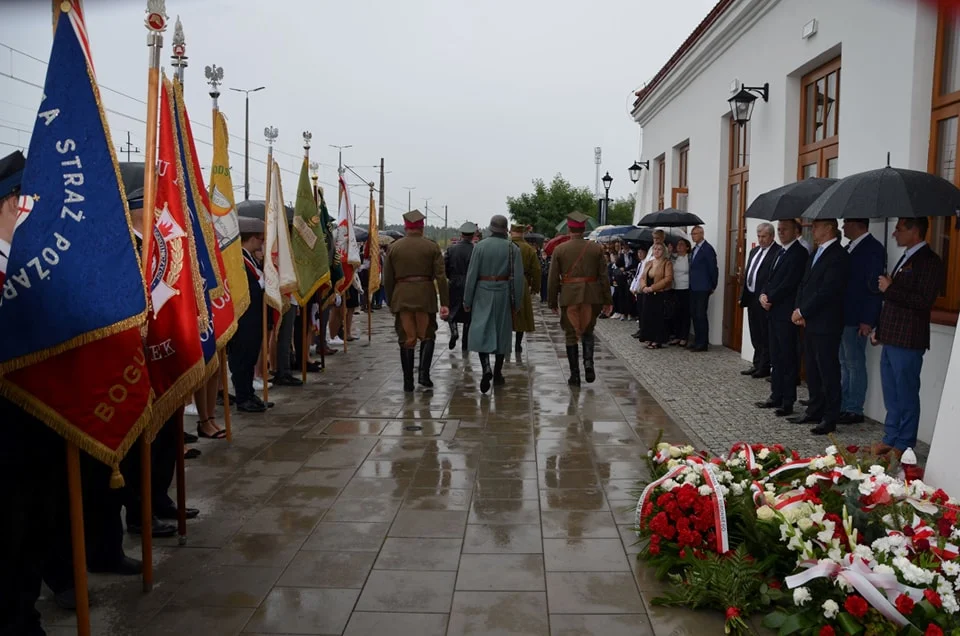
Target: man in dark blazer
<point>244,347</point>
<point>904,330</point>
<point>704,275</point>
<point>759,264</point>
<point>861,309</point>
<point>778,299</point>
<point>820,310</point>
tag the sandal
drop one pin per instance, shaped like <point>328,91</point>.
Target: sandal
<point>654,346</point>
<point>220,434</point>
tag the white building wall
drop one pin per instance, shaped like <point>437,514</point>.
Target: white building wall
<point>887,51</point>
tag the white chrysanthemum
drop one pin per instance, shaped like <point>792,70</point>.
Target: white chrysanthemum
<point>669,485</point>
<point>877,470</point>
<point>950,568</point>
<point>835,555</point>
<point>829,461</point>
<point>795,483</point>
<point>688,449</point>
<point>723,490</point>
<point>830,608</point>
<point>801,596</point>
<point>764,453</point>
<point>883,568</point>
<point>866,487</point>
<point>950,605</point>
<point>811,481</point>
<point>733,462</point>
<point>691,478</point>
<point>944,587</point>
<point>736,489</point>
<point>726,477</point>
<point>705,491</point>
<point>769,487</point>
<point>955,533</point>
<point>863,552</point>
<point>843,584</point>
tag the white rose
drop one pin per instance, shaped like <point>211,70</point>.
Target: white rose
<point>662,445</point>
<point>831,450</point>
<point>801,596</point>
<point>765,513</point>
<point>688,449</point>
<point>804,524</point>
<point>829,461</point>
<point>764,453</point>
<point>675,452</point>
<point>830,608</point>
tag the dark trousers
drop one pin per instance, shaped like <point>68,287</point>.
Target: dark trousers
<point>243,351</point>
<point>783,360</point>
<point>101,513</point>
<point>698,312</point>
<point>681,314</point>
<point>759,322</point>
<point>822,358</point>
<point>163,466</point>
<point>299,346</point>
<point>285,342</point>
<point>33,474</point>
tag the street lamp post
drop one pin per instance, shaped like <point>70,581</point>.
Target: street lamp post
<point>246,140</point>
<point>409,190</point>
<point>607,181</point>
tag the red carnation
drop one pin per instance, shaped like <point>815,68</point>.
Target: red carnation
<point>732,612</point>
<point>775,584</point>
<point>795,455</point>
<point>683,553</point>
<point>939,497</point>
<point>908,531</point>
<point>856,606</point>
<point>933,597</point>
<point>654,549</point>
<point>687,496</point>
<point>826,630</point>
<point>853,448</point>
<point>944,527</point>
<point>921,545</point>
<point>664,499</point>
<point>779,448</point>
<point>933,630</point>
<point>905,604</point>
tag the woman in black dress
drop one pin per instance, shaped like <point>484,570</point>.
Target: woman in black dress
<point>656,279</point>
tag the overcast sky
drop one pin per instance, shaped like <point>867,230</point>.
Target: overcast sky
<point>467,100</point>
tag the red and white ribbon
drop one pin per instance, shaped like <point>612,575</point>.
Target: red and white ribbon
<point>645,495</point>
<point>801,463</point>
<point>748,451</point>
<point>719,508</point>
<point>759,498</point>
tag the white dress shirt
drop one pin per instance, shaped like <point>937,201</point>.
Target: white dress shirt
<point>852,245</point>
<point>906,256</point>
<point>754,266</point>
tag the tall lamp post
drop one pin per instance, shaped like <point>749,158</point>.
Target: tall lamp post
<point>246,140</point>
<point>409,190</point>
<point>607,181</point>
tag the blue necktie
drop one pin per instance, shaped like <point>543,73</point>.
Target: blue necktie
<point>816,256</point>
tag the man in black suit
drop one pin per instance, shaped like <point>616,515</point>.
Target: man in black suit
<point>820,311</point>
<point>759,265</point>
<point>778,299</point>
<point>244,347</point>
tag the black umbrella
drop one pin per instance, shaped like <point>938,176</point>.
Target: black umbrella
<point>396,234</point>
<point>671,217</point>
<point>253,208</point>
<point>643,237</point>
<point>535,238</point>
<point>361,234</point>
<point>887,193</point>
<point>788,201</point>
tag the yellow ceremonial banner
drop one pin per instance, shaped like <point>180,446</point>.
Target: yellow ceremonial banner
<point>225,220</point>
<point>373,249</point>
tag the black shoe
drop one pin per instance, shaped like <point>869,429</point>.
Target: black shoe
<point>487,376</point>
<point>161,530</point>
<point>252,406</point>
<point>233,398</point>
<point>287,380</point>
<point>190,438</point>
<point>426,359</point>
<point>498,379</point>
<point>406,363</point>
<point>635,334</point>
<point>761,374</point>
<point>66,599</point>
<point>804,402</point>
<point>453,342</point>
<point>589,343</point>
<point>769,379</point>
<point>125,567</point>
<point>823,429</point>
<point>851,418</point>
<point>518,347</point>
<point>803,419</point>
<point>573,358</point>
<point>784,411</point>
<point>314,367</point>
<point>699,349</point>
<point>749,371</point>
<point>170,514</point>
<point>769,404</point>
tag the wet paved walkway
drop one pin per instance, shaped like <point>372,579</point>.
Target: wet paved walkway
<point>504,514</point>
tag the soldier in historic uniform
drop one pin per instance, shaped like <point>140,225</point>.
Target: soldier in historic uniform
<point>456,260</point>
<point>579,289</point>
<point>412,277</point>
<point>523,318</point>
<point>493,292</point>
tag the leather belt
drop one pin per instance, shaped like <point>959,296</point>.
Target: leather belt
<point>414,279</point>
<point>494,278</point>
<point>578,279</point>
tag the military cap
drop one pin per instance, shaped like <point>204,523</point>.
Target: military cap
<point>517,227</point>
<point>577,220</point>
<point>11,173</point>
<point>249,225</point>
<point>132,174</point>
<point>413,216</point>
<point>468,228</point>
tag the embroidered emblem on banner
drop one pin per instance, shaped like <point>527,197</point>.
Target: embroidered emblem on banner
<point>168,259</point>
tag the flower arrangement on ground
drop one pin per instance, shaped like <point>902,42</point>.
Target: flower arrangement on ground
<point>840,543</point>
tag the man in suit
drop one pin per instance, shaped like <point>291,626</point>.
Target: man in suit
<point>861,309</point>
<point>704,275</point>
<point>759,265</point>
<point>904,331</point>
<point>778,299</point>
<point>456,260</point>
<point>244,347</point>
<point>819,308</point>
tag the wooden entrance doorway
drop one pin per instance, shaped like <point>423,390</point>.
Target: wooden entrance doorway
<point>738,179</point>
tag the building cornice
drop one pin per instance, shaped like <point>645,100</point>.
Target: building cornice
<point>727,23</point>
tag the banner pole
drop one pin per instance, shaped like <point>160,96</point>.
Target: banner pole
<point>77,539</point>
<point>181,482</point>
<point>305,344</point>
<point>343,318</point>
<point>225,384</point>
<point>264,351</point>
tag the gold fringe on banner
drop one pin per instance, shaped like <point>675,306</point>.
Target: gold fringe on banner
<point>174,398</point>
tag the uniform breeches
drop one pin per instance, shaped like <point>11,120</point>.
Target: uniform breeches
<point>578,321</point>
<point>412,326</point>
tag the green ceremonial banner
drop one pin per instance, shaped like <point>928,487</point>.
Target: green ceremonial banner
<point>335,269</point>
<point>309,241</point>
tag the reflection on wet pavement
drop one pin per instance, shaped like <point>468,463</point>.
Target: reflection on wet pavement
<point>353,509</point>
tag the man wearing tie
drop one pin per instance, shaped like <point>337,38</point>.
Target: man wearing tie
<point>704,275</point>
<point>861,308</point>
<point>904,331</point>
<point>778,299</point>
<point>819,308</point>
<point>759,265</point>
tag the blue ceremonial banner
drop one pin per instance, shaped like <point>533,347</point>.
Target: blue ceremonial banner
<point>73,276</point>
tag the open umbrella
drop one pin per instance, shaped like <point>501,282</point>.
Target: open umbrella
<point>534,237</point>
<point>887,193</point>
<point>611,233</point>
<point>394,233</point>
<point>360,233</point>
<point>253,209</point>
<point>385,239</point>
<point>671,217</point>
<point>562,225</point>
<point>788,201</point>
<point>643,237</point>
<point>552,243</point>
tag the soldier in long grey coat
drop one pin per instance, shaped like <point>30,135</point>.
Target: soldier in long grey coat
<point>493,291</point>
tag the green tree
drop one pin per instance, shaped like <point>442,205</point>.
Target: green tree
<point>548,205</point>
<point>621,211</point>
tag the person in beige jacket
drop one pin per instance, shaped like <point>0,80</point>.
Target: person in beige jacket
<point>655,281</point>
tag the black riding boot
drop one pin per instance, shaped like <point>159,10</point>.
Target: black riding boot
<point>487,373</point>
<point>519,346</point>
<point>498,379</point>
<point>454,334</point>
<point>466,336</point>
<point>588,345</point>
<point>573,357</point>
<point>426,359</point>
<point>406,361</point>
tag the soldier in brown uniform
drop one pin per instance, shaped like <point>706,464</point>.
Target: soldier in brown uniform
<point>578,288</point>
<point>413,274</point>
<point>523,321</point>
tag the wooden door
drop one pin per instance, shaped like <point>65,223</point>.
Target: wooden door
<point>734,263</point>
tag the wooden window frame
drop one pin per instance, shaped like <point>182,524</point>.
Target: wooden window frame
<point>674,195</point>
<point>818,152</point>
<point>661,163</point>
<point>683,162</point>
<point>947,307</point>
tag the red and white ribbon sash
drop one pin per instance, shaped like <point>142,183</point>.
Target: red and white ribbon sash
<point>719,509</point>
<point>748,451</point>
<point>645,495</point>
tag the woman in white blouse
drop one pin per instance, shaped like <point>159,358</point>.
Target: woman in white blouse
<point>681,294</point>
